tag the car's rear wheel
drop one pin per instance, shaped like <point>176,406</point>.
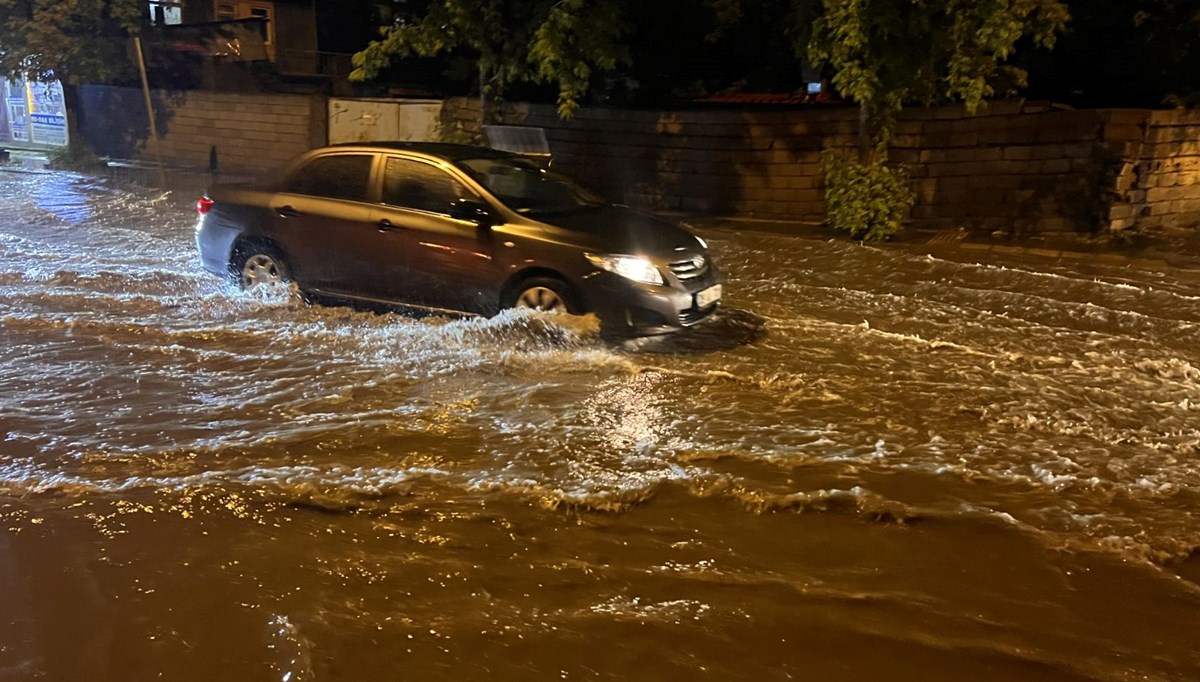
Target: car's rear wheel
<point>256,265</point>
<point>546,294</point>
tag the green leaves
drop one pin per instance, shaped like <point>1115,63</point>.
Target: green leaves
<point>870,201</point>
<point>75,41</point>
<point>577,38</point>
<point>567,42</point>
<point>886,52</point>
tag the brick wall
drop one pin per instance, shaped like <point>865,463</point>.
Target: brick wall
<point>1013,166</point>
<point>251,132</point>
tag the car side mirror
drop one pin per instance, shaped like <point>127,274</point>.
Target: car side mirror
<point>472,211</point>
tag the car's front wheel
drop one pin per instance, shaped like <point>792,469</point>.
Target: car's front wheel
<point>546,294</point>
<point>255,265</point>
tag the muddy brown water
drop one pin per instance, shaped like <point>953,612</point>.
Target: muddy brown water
<point>886,463</point>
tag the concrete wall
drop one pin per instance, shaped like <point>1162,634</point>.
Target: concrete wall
<point>1013,166</point>
<point>251,132</point>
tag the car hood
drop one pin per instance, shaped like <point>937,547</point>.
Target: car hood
<point>618,229</point>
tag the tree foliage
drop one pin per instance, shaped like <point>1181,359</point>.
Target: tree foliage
<point>883,53</point>
<point>868,200</point>
<point>74,41</point>
<point>577,39</point>
<point>564,42</point>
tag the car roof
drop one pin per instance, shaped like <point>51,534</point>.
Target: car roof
<point>444,150</point>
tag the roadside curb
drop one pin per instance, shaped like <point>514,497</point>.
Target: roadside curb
<point>1191,264</point>
<point>1156,252</point>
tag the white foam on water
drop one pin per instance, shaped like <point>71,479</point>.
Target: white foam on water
<point>302,482</point>
<point>673,611</point>
<point>1080,395</point>
<point>289,652</point>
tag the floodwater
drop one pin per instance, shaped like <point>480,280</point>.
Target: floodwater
<point>877,463</point>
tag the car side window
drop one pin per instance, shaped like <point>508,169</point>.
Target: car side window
<point>341,176</point>
<point>414,184</point>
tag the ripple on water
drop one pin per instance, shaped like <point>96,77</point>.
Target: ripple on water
<point>877,388</point>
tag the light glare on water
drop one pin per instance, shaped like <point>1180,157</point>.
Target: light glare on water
<point>875,463</point>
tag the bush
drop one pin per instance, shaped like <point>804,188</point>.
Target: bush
<point>868,201</point>
<point>79,156</point>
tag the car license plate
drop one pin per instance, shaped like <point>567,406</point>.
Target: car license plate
<point>708,296</point>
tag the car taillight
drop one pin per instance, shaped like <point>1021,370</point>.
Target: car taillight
<point>204,205</point>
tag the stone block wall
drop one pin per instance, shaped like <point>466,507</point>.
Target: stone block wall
<point>1157,184</point>
<point>1010,167</point>
<point>1013,166</point>
<point>696,161</point>
<point>252,132</point>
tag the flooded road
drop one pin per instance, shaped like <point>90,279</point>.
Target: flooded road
<point>890,463</point>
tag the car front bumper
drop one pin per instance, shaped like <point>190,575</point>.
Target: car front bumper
<point>628,308</point>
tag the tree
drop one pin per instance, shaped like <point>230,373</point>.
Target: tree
<point>564,42</point>
<point>883,54</point>
<point>73,41</point>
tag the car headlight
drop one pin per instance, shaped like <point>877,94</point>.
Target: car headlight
<point>635,268</point>
<point>703,244</point>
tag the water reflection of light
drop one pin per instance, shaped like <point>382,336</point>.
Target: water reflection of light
<point>629,411</point>
<point>61,197</point>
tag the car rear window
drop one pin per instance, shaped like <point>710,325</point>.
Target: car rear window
<point>344,176</point>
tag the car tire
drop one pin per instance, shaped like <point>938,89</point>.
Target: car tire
<point>257,264</point>
<point>546,294</point>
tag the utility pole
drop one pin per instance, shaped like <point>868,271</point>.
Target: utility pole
<point>162,178</point>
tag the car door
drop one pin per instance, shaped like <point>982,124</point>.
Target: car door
<point>450,261</point>
<point>324,222</point>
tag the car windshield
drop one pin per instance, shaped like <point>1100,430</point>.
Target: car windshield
<point>526,187</point>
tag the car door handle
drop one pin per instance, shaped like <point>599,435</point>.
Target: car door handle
<point>287,212</point>
<point>386,225</point>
